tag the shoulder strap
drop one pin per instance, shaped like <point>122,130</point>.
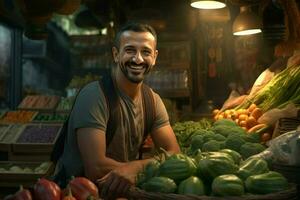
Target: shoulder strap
<point>59,144</point>
<point>149,114</point>
<point>112,100</point>
<point>149,109</point>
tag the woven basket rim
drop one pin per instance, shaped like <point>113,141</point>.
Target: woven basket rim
<point>289,194</point>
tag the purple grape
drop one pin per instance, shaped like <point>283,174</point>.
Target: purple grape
<point>38,134</point>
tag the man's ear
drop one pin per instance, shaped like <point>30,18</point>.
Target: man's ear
<point>155,56</point>
<point>115,53</point>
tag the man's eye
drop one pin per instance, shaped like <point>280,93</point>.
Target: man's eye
<point>148,53</point>
<point>130,50</point>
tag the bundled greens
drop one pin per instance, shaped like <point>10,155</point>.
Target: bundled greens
<point>284,88</point>
<point>185,130</point>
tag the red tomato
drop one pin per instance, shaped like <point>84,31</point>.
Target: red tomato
<point>69,195</point>
<point>23,194</point>
<point>266,137</point>
<point>82,188</point>
<point>46,190</point>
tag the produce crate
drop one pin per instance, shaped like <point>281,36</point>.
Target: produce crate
<point>135,193</point>
<point>65,104</point>
<point>3,128</point>
<point>14,173</point>
<point>2,113</point>
<point>46,117</point>
<point>285,125</point>
<point>18,116</point>
<point>39,102</point>
<point>11,133</point>
<point>37,139</point>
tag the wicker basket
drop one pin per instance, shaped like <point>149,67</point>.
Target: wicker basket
<point>288,124</point>
<point>284,125</point>
<point>290,194</point>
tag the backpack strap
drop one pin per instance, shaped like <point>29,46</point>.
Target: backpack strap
<point>113,102</point>
<point>59,144</point>
<point>149,109</point>
<point>149,114</point>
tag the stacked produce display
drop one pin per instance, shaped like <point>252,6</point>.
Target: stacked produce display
<point>216,173</point>
<point>225,156</point>
<point>218,159</point>
<point>222,134</point>
<point>27,136</point>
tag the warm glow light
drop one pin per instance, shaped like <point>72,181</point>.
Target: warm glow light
<point>248,32</point>
<point>208,4</point>
<point>246,23</point>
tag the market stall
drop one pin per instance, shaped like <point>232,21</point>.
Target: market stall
<point>245,146</point>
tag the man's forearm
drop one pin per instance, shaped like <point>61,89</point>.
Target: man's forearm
<point>107,165</point>
<point>101,167</point>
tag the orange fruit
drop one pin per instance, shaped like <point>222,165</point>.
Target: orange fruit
<point>243,117</point>
<point>251,121</point>
<point>216,111</point>
<point>257,113</point>
<point>252,107</point>
<point>243,123</point>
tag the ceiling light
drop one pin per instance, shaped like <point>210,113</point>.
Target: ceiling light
<point>202,4</point>
<point>246,23</point>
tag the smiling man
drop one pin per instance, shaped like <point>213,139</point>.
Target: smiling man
<point>114,165</point>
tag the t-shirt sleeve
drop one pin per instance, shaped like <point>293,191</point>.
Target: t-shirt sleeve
<point>161,115</point>
<point>90,109</point>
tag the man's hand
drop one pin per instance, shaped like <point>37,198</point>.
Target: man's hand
<point>118,182</point>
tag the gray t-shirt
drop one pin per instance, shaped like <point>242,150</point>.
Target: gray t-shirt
<point>91,111</point>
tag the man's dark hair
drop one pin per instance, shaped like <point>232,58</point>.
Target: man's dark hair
<point>136,27</point>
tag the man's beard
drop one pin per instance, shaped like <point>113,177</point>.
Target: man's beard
<point>129,67</point>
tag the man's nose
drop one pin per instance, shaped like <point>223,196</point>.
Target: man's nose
<point>138,58</point>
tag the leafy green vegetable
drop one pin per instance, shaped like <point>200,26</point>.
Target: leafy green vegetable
<point>227,130</point>
<point>234,142</point>
<point>249,149</point>
<point>212,145</point>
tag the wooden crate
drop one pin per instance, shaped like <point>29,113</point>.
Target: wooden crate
<point>39,102</point>
<point>17,116</point>
<point>35,143</point>
<point>2,113</point>
<point>50,117</point>
<point>9,137</point>
<point>285,125</point>
<point>28,175</point>
<point>28,157</point>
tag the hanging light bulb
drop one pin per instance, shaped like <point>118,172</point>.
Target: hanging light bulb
<point>208,4</point>
<point>246,23</point>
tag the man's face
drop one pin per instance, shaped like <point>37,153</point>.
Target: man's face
<point>136,55</point>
